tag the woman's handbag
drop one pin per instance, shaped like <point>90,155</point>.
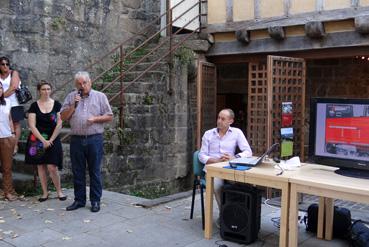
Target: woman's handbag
<point>23,94</point>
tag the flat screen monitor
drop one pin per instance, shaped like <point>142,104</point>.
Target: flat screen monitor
<point>339,135</point>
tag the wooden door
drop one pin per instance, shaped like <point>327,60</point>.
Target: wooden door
<point>286,79</point>
<point>279,79</point>
<point>257,107</point>
<point>206,99</point>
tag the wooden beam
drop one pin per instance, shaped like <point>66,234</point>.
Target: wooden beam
<point>299,19</point>
<point>286,6</point>
<point>319,5</point>
<point>257,9</point>
<point>299,43</point>
<point>354,3</point>
<point>229,10</point>
<point>243,36</point>
<point>362,24</point>
<point>307,54</point>
<point>276,32</point>
<point>315,29</point>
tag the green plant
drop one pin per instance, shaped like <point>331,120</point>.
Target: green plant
<point>125,137</point>
<point>58,23</point>
<point>185,55</point>
<point>24,134</point>
<point>148,99</point>
<point>150,192</point>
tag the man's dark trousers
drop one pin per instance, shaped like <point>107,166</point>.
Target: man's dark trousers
<point>86,149</point>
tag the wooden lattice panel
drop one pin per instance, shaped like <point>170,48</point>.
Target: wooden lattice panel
<point>207,91</point>
<point>286,79</point>
<point>257,108</point>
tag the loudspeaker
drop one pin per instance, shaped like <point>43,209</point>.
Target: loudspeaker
<point>240,213</point>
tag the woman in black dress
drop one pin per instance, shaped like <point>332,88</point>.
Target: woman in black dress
<point>43,146</point>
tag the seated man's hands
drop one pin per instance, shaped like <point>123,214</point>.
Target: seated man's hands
<point>226,157</point>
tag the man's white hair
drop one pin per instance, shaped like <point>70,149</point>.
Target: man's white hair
<point>82,74</point>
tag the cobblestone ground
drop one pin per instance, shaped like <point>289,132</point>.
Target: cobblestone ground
<point>121,222</point>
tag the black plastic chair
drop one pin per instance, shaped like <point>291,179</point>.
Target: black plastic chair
<point>199,181</point>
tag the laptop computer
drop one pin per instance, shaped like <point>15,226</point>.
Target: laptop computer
<point>251,161</point>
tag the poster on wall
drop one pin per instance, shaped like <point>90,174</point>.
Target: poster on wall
<point>286,130</point>
<point>286,114</point>
<point>287,142</point>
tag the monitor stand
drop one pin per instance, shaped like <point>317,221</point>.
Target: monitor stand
<point>354,173</point>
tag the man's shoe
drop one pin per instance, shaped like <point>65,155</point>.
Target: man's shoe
<point>74,206</point>
<point>95,207</point>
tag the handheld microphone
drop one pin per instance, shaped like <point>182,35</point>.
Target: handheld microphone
<point>80,94</point>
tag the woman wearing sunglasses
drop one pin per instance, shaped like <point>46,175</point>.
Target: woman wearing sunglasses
<point>11,81</point>
<point>7,142</point>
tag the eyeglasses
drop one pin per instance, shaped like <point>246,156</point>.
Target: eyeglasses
<point>5,64</point>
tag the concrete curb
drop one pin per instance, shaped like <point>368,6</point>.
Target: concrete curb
<point>165,199</point>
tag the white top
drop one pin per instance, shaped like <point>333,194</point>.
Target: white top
<point>6,85</point>
<point>214,146</point>
<point>5,130</point>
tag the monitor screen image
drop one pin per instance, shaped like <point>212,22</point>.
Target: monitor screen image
<point>339,133</point>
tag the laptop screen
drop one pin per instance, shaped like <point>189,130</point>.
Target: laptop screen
<point>252,161</point>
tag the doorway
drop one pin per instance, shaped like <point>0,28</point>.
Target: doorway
<point>232,82</point>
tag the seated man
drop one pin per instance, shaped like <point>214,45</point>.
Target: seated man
<point>219,144</point>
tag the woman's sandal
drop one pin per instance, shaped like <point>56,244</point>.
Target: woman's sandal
<point>11,197</point>
<point>62,198</point>
<point>42,199</point>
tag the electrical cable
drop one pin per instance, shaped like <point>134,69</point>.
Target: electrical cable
<point>276,221</point>
<point>266,203</point>
<point>220,244</point>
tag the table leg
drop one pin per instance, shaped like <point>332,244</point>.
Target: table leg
<point>329,213</point>
<point>293,217</point>
<point>321,210</point>
<point>283,232</point>
<point>209,205</point>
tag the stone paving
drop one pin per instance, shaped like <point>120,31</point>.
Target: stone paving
<point>121,223</point>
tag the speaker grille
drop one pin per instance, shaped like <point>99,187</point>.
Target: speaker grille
<point>232,213</point>
<point>240,213</point>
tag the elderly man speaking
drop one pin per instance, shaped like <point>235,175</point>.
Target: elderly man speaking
<point>87,111</point>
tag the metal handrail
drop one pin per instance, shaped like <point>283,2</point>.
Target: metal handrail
<point>156,63</point>
<point>144,43</point>
<point>148,54</point>
<point>125,42</point>
<point>123,56</point>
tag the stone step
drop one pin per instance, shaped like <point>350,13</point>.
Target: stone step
<point>132,75</point>
<point>21,182</point>
<point>160,66</point>
<point>136,87</point>
<point>149,76</point>
<point>140,53</point>
<point>20,167</point>
<point>146,83</point>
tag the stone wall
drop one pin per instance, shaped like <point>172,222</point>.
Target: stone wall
<point>53,39</point>
<point>50,39</point>
<point>154,148</point>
